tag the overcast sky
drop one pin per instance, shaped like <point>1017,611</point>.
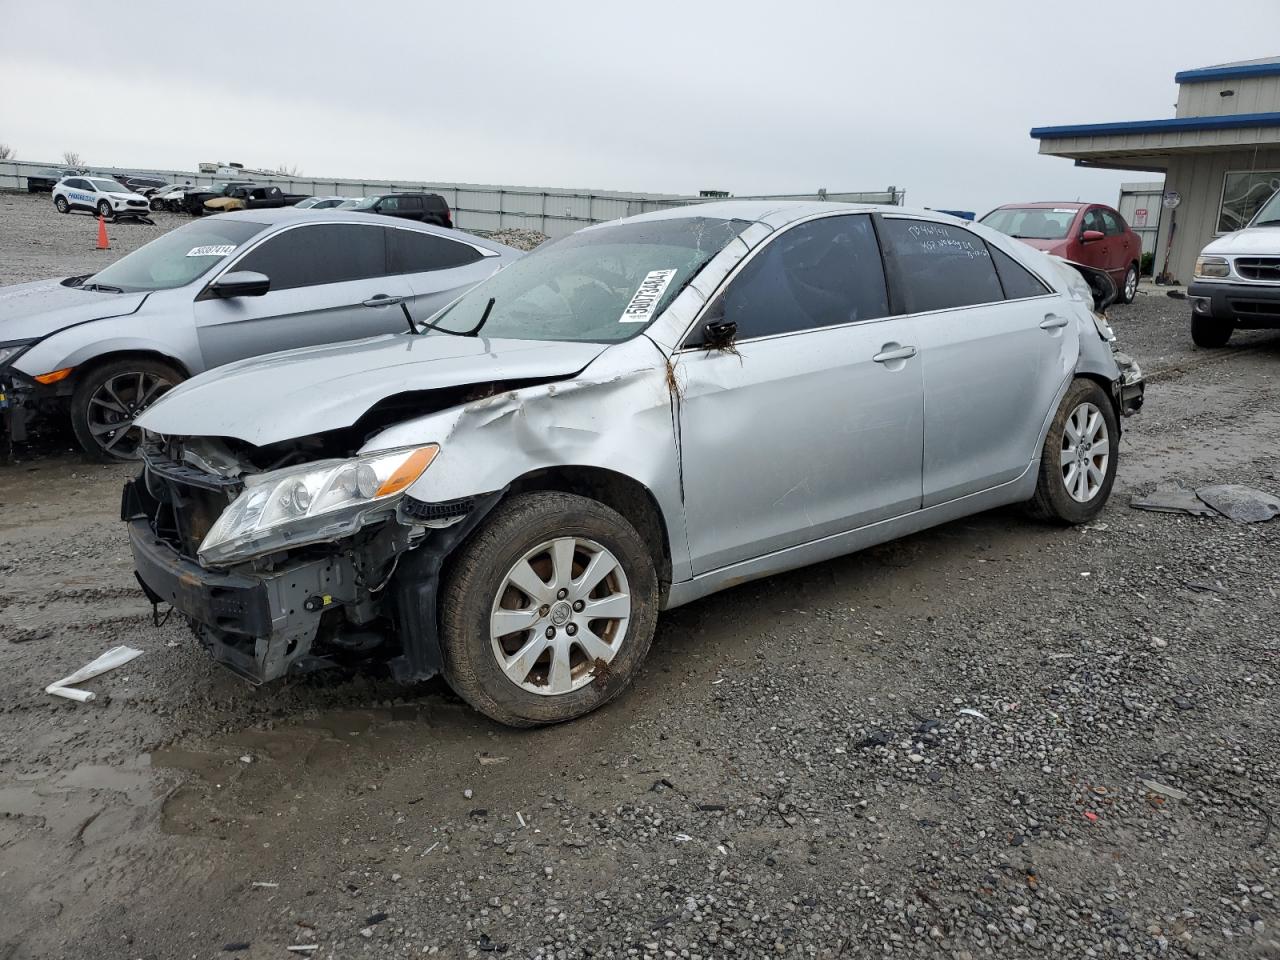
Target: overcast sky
<point>772,97</point>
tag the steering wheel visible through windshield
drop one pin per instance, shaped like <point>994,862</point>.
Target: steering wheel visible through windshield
<point>603,284</point>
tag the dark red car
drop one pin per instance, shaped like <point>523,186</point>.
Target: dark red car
<point>1089,233</point>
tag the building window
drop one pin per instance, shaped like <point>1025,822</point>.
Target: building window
<point>1243,193</point>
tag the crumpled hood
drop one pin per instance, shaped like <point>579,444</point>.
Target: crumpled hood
<point>1256,240</point>
<point>29,311</point>
<point>300,392</point>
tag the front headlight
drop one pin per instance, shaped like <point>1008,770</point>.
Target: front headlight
<point>1214,268</point>
<point>311,503</point>
<point>10,351</point>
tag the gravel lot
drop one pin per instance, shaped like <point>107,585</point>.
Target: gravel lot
<point>799,770</point>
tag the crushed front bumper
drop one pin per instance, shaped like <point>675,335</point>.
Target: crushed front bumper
<point>259,626</point>
<point>1132,385</point>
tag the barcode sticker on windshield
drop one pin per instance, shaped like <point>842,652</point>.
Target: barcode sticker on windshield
<point>213,250</point>
<point>652,287</point>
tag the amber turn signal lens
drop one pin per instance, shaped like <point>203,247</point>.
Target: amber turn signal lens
<point>408,471</point>
<point>55,376</point>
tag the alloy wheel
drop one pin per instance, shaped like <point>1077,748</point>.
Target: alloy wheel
<point>560,616</point>
<point>1086,451</point>
<point>115,404</point>
<point>1130,285</point>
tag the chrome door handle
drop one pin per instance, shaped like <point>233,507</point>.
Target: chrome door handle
<point>900,353</point>
<point>1052,322</point>
<point>382,300</point>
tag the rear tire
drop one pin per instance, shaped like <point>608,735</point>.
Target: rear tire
<point>107,400</point>
<point>554,639</point>
<point>1210,333</point>
<point>1079,458</point>
<point>60,204</point>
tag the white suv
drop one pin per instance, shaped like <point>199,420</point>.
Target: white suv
<point>1237,282</point>
<point>100,195</point>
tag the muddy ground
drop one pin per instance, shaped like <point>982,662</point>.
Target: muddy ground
<point>792,774</point>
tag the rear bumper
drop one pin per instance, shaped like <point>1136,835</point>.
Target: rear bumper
<point>1245,305</point>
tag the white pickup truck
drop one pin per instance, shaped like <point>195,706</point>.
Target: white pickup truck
<point>1237,281</point>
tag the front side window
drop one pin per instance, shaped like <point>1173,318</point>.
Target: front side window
<point>1093,220</point>
<point>818,274</point>
<point>389,203</point>
<point>1243,195</point>
<point>603,284</point>
<point>179,256</point>
<point>324,253</point>
<point>1032,223</point>
<point>941,266</point>
<point>1113,226</point>
<point>411,251</point>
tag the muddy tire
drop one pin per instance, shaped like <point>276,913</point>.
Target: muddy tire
<point>106,400</point>
<point>1210,333</point>
<point>548,610</point>
<point>1079,458</point>
<point>60,204</point>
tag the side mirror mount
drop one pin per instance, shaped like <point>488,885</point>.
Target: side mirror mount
<point>1089,236</point>
<point>240,283</point>
<point>719,334</point>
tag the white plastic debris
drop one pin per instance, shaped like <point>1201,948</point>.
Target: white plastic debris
<point>303,948</point>
<point>970,712</point>
<point>113,658</point>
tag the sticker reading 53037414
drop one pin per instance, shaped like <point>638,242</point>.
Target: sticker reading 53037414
<point>652,287</point>
<point>213,250</point>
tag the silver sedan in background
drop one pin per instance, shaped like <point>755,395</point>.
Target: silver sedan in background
<point>625,420</point>
<point>228,287</point>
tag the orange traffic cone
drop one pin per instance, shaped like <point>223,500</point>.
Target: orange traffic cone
<point>103,242</point>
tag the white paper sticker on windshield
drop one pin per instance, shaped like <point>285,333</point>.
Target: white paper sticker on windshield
<point>213,250</point>
<point>652,287</point>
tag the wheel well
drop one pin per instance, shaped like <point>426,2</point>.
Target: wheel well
<point>617,491</point>
<point>1106,386</point>
<point>104,359</point>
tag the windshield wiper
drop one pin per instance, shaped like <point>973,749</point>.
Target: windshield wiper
<point>102,287</point>
<point>473,332</point>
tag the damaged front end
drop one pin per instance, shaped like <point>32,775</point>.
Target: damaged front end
<point>300,565</point>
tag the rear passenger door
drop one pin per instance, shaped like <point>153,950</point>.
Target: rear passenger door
<point>812,425</point>
<point>437,268</point>
<point>996,345</point>
<point>329,283</point>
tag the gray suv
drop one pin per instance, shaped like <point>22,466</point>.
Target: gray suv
<point>228,287</point>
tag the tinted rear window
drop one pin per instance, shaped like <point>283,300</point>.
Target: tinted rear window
<point>410,251</point>
<point>1017,281</point>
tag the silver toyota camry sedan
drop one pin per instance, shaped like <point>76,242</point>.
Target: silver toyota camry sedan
<point>624,421</point>
<point>102,347</point>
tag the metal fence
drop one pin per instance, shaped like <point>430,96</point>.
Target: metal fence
<point>1140,205</point>
<point>555,212</point>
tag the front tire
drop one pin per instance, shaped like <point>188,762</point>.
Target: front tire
<point>60,204</point>
<point>548,610</point>
<point>1079,458</point>
<point>1129,289</point>
<point>104,210</point>
<point>108,399</point>
<point>1209,332</point>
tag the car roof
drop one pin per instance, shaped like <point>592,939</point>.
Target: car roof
<point>1048,204</point>
<point>281,217</point>
<point>777,213</point>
